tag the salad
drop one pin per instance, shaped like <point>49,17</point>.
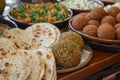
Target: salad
<point>81,4</point>
<point>41,12</point>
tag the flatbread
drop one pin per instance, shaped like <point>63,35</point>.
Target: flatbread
<point>7,45</point>
<point>24,60</point>
<point>19,64</point>
<point>48,57</point>
<point>14,66</point>
<point>21,38</point>
<point>44,34</point>
<point>37,66</point>
<point>57,36</point>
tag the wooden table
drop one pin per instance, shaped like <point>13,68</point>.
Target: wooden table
<point>101,65</point>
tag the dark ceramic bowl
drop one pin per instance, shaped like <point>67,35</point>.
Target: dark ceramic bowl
<point>98,43</point>
<point>108,2</point>
<point>8,22</point>
<point>59,24</point>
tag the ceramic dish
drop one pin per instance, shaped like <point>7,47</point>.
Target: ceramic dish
<point>87,54</point>
<point>114,48</point>
<point>8,22</point>
<point>110,2</point>
<point>23,25</point>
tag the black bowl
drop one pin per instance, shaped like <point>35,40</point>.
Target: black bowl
<point>8,22</point>
<point>114,48</point>
<point>60,24</point>
<point>107,2</point>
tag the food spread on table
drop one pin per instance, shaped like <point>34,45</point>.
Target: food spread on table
<point>40,50</point>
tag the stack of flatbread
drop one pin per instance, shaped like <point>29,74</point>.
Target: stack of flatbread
<point>45,34</point>
<point>26,54</point>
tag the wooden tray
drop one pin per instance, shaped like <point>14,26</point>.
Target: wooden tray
<point>87,54</point>
<point>99,61</point>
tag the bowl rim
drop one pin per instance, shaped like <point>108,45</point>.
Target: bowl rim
<point>96,1</point>
<point>8,22</point>
<point>92,38</point>
<point>112,2</point>
<point>9,16</point>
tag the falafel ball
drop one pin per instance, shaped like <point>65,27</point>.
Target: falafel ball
<point>109,19</point>
<point>118,33</point>
<point>79,21</point>
<point>94,22</point>
<point>90,30</point>
<point>67,53</point>
<point>106,31</point>
<point>117,25</point>
<point>96,14</point>
<point>113,11</point>
<point>83,14</point>
<point>118,17</point>
<point>70,35</point>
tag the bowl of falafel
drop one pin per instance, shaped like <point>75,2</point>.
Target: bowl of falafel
<point>99,26</point>
<point>71,53</point>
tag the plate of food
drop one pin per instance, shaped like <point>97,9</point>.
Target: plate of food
<point>71,53</point>
<point>27,14</point>
<point>78,6</point>
<point>103,29</point>
<point>97,28</point>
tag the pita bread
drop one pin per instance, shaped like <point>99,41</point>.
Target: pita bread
<point>26,61</point>
<point>37,66</point>
<point>57,36</point>
<point>14,66</point>
<point>48,57</point>
<point>7,45</point>
<point>19,64</point>
<point>45,34</point>
<point>21,38</point>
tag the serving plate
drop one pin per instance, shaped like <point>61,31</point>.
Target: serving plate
<point>23,25</point>
<point>86,56</point>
